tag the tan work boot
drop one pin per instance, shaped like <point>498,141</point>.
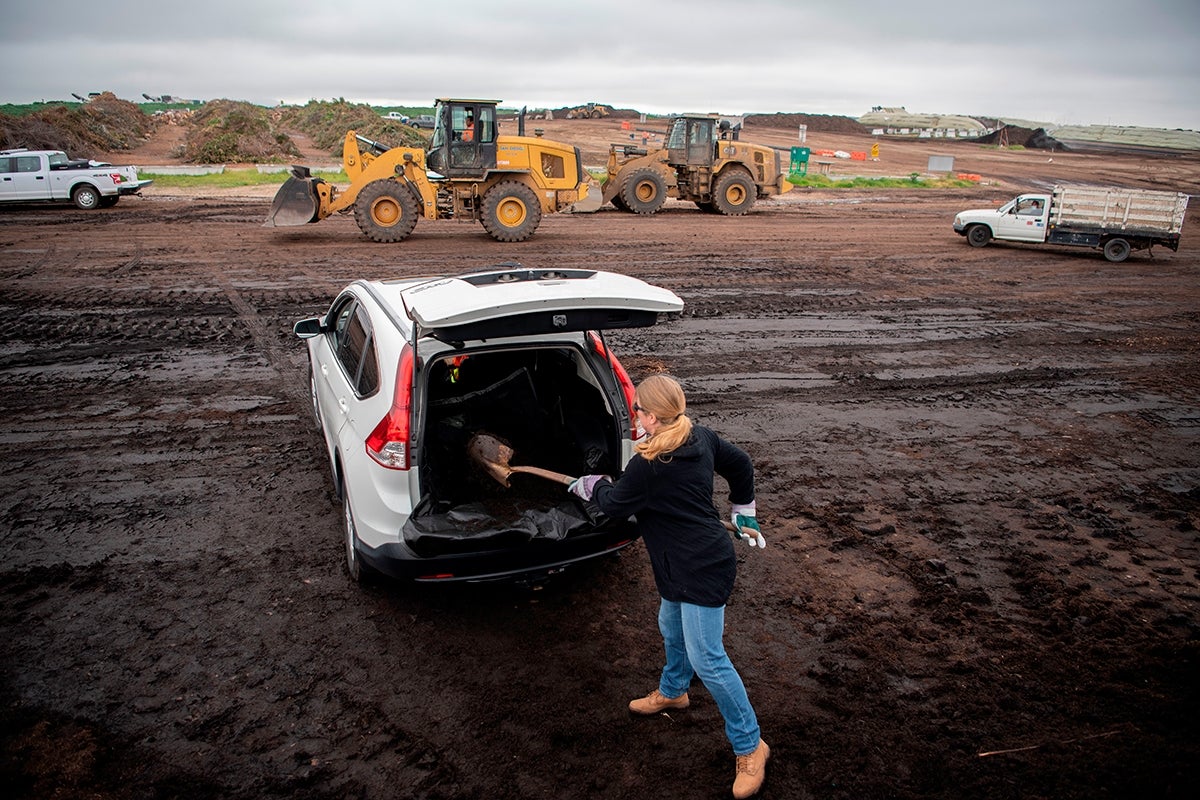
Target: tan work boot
<point>656,701</point>
<point>751,769</point>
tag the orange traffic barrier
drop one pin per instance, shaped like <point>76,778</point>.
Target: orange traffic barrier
<point>969,176</point>
<point>829,153</point>
<point>625,125</point>
<point>858,156</point>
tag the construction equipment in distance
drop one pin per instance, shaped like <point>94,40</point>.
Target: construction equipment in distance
<point>589,111</point>
<point>470,172</point>
<point>702,161</point>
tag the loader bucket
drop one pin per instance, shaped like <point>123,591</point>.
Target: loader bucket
<point>592,201</point>
<point>296,202</point>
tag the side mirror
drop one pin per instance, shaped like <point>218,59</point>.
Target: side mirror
<point>308,328</point>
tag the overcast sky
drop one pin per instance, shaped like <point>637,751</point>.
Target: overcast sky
<point>1115,62</point>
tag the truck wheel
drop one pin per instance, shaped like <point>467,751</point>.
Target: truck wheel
<point>978,235</point>
<point>86,197</point>
<point>386,211</point>
<point>511,212</point>
<point>1116,250</point>
<point>109,202</point>
<point>619,203</point>
<point>734,193</point>
<point>644,191</point>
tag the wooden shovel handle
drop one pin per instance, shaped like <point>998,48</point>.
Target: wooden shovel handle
<point>565,480</point>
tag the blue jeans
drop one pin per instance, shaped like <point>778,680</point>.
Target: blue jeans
<point>692,636</point>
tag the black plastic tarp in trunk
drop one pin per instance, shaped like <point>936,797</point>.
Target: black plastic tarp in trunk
<point>535,401</point>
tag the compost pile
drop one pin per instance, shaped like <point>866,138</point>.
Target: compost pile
<point>106,123</point>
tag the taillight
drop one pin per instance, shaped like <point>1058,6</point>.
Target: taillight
<point>116,177</point>
<point>388,443</point>
<point>627,388</point>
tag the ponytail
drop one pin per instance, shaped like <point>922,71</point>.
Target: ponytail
<point>663,397</point>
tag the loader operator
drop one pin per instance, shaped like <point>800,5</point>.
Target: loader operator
<point>669,489</point>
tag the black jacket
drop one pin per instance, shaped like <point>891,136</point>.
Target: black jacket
<point>690,550</point>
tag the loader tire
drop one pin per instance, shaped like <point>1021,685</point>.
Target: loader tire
<point>734,193</point>
<point>386,211</point>
<point>618,203</point>
<point>644,191</point>
<point>511,212</point>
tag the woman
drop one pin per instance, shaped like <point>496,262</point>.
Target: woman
<point>669,486</point>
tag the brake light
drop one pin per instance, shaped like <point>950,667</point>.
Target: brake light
<point>116,177</point>
<point>627,387</point>
<point>388,443</point>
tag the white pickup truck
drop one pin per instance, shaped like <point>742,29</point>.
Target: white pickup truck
<point>28,176</point>
<point>1117,221</point>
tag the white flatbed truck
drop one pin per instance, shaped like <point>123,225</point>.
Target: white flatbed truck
<point>1115,221</point>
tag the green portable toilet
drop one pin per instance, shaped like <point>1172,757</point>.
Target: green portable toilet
<point>799,162</point>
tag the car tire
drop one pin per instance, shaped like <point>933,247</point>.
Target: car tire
<point>359,572</point>
<point>109,202</point>
<point>1117,250</point>
<point>978,235</point>
<point>86,197</point>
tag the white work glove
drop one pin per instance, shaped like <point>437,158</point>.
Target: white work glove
<point>746,526</point>
<point>585,487</point>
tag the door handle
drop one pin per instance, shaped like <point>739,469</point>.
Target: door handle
<point>342,405</point>
<point>325,369</point>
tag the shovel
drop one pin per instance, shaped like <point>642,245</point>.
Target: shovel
<point>493,455</point>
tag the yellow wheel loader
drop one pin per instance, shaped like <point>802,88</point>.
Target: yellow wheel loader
<point>470,172</point>
<point>703,162</point>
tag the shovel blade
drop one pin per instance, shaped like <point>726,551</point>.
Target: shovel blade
<point>493,455</point>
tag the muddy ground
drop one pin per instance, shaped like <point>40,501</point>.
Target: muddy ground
<point>978,472</point>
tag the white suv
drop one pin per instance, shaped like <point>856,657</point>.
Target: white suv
<point>404,373</point>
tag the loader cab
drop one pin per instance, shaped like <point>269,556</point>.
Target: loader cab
<point>464,138</point>
<point>692,141</point>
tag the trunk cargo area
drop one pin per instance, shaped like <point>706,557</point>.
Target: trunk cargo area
<point>545,403</point>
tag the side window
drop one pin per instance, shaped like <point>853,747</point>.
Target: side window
<point>355,347</point>
<point>28,163</point>
<point>6,164</point>
<point>343,338</point>
<point>487,124</point>
<point>368,376</point>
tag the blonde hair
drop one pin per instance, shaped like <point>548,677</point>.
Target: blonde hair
<point>662,396</point>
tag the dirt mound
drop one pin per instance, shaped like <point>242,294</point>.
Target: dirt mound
<point>820,123</point>
<point>1036,139</point>
<point>105,123</point>
<point>326,123</point>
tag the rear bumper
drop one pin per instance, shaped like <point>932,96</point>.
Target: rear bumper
<point>133,188</point>
<point>532,561</point>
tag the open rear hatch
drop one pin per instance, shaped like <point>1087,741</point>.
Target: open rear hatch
<point>559,403</point>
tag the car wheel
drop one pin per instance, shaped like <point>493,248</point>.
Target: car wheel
<point>511,212</point>
<point>734,193</point>
<point>1116,250</point>
<point>355,568</point>
<point>86,198</point>
<point>109,202</point>
<point>978,235</point>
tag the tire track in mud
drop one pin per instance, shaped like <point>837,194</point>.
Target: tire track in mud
<point>267,344</point>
